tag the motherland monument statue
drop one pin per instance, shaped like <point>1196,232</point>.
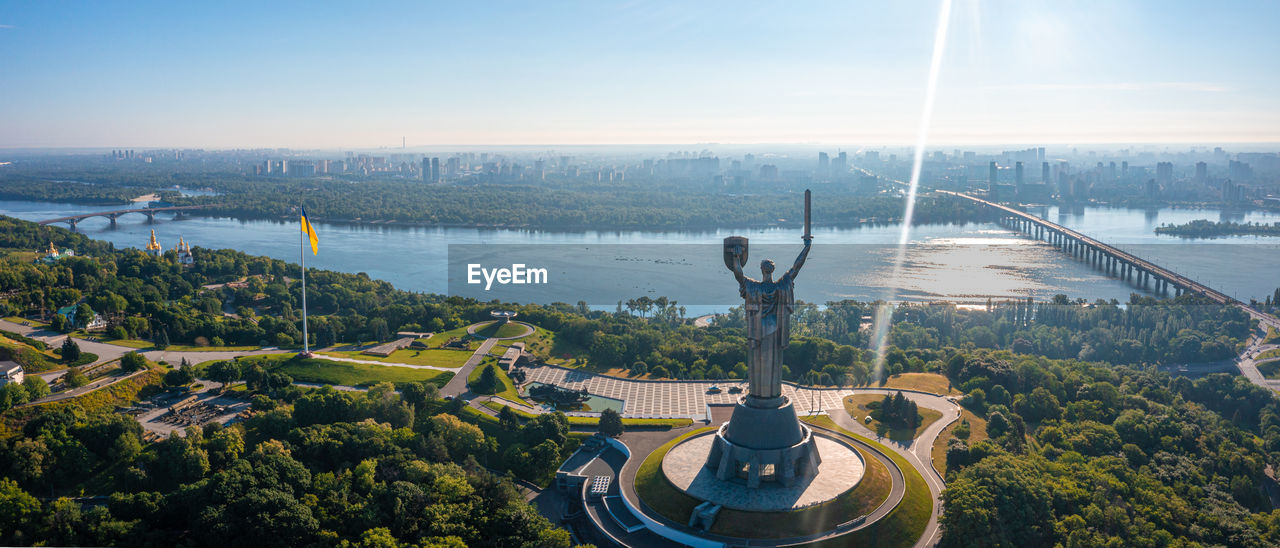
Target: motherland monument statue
<point>764,440</point>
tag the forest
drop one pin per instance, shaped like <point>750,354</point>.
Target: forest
<point>312,468</point>
<point>1202,228</point>
<point>1089,444</point>
<point>1090,454</point>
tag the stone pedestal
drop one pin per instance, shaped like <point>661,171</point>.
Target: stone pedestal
<point>764,441</point>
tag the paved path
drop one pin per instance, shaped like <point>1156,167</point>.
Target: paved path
<point>642,444</point>
<point>457,386</point>
<point>704,321</point>
<point>99,383</point>
<point>1248,363</point>
<point>107,352</point>
<point>690,398</point>
<point>918,452</point>
<point>528,330</point>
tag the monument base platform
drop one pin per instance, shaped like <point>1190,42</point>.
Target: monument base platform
<point>839,469</point>
<point>764,444</point>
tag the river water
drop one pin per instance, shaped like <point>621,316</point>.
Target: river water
<point>962,263</point>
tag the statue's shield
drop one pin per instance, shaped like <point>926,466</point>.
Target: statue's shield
<point>735,246</point>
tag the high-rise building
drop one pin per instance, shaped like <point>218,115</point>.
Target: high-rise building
<point>1044,172</point>
<point>425,173</point>
<point>435,170</point>
<point>1202,172</point>
<point>824,161</point>
<point>1040,154</point>
<point>992,173</point>
<point>1238,170</point>
<point>1017,175</point>
<point>1164,173</point>
<point>841,164</point>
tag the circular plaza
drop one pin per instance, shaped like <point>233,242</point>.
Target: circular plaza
<point>840,470</point>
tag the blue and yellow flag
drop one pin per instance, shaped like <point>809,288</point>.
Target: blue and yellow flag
<point>310,232</point>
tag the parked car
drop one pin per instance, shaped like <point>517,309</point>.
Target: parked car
<point>713,390</point>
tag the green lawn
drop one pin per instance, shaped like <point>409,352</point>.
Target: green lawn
<point>904,525</point>
<point>1273,336</point>
<point>444,336</point>
<point>977,433</point>
<point>33,323</point>
<point>654,489</point>
<point>148,345</point>
<point>348,374</point>
<point>436,357</point>
<point>1273,353</point>
<point>508,390</point>
<point>657,492</point>
<point>129,343</point>
<point>857,407</point>
<point>1270,370</point>
<point>554,350</point>
<point>502,331</point>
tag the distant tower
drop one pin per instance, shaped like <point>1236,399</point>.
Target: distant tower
<point>1164,173</point>
<point>824,161</point>
<point>1202,172</point>
<point>993,171</point>
<point>1017,174</point>
<point>153,248</point>
<point>184,253</point>
<point>435,170</point>
<point>426,170</point>
<point>1044,172</point>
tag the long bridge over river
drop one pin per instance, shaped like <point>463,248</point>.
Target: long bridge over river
<point>1109,259</point>
<point>1113,261</point>
<point>150,212</point>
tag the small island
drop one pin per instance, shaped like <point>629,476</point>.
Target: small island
<point>1202,228</point>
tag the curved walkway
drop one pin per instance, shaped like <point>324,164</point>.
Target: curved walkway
<point>642,446</point>
<point>528,330</point>
<point>690,399</point>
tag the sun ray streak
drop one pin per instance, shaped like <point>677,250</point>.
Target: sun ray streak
<point>884,311</point>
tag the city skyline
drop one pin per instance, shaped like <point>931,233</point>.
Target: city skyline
<point>318,76</point>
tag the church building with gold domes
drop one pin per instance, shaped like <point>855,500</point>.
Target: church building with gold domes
<point>185,258</point>
<point>153,248</point>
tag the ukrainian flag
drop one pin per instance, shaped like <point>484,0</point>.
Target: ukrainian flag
<point>310,232</point>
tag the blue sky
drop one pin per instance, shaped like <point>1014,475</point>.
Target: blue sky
<point>321,74</point>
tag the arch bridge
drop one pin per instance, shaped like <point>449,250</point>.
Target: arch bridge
<point>150,212</point>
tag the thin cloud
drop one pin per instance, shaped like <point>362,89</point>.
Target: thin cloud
<point>7,27</point>
<point>1206,87</point>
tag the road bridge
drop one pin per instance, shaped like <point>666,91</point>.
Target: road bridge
<point>150,212</point>
<point>1111,260</point>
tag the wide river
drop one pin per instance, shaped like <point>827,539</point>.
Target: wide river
<point>962,263</point>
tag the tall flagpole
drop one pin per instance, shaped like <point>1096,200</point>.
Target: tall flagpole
<point>302,252</point>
